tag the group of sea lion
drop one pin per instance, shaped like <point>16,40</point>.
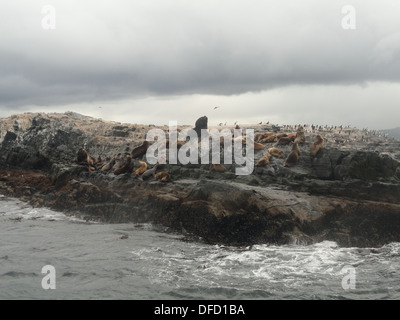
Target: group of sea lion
<point>282,139</point>
<point>272,152</point>
<point>293,139</point>
<point>83,158</point>
<point>124,165</point>
<point>242,139</point>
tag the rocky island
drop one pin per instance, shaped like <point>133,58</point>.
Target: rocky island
<point>347,192</point>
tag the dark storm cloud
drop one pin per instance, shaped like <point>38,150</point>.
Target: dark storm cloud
<point>123,49</point>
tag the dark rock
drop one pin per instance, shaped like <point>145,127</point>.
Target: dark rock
<point>371,166</point>
<point>120,128</point>
<point>397,174</point>
<point>9,137</point>
<point>349,196</point>
<point>39,122</point>
<point>17,126</point>
<point>120,133</point>
<point>322,166</point>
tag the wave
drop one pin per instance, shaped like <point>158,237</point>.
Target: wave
<point>16,210</point>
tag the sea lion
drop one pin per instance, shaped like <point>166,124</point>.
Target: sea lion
<point>293,156</point>
<point>108,166</point>
<point>126,168</point>
<point>317,145</point>
<point>300,136</point>
<point>284,141</point>
<point>84,158</point>
<point>180,143</point>
<point>260,136</point>
<point>163,176</point>
<point>258,146</point>
<point>201,123</point>
<point>269,139</point>
<point>237,139</point>
<point>276,152</point>
<point>119,162</point>
<point>217,167</point>
<point>281,135</point>
<point>237,127</point>
<point>142,169</point>
<point>138,152</point>
<point>292,136</point>
<point>267,134</point>
<point>150,172</point>
<point>264,161</point>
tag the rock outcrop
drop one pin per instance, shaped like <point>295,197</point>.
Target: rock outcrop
<point>349,192</point>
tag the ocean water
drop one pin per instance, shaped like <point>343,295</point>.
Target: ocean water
<point>136,261</point>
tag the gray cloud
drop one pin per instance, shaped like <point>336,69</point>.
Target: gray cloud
<point>132,49</point>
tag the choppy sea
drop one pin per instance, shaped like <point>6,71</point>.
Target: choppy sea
<point>136,261</point>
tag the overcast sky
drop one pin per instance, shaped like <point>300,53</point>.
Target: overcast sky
<point>154,61</point>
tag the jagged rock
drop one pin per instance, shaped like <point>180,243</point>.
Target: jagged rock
<point>397,174</point>
<point>348,194</point>
<point>9,137</point>
<point>39,122</point>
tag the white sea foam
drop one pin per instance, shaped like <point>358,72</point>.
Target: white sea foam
<point>149,264</point>
<point>16,210</point>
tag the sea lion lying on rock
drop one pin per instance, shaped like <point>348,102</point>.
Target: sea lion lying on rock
<point>264,161</point>
<point>149,173</point>
<point>108,166</point>
<point>163,176</point>
<point>285,141</point>
<point>142,169</point>
<point>138,152</point>
<point>269,139</point>
<point>126,168</point>
<point>260,136</point>
<point>217,167</point>
<point>276,152</point>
